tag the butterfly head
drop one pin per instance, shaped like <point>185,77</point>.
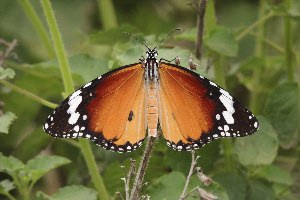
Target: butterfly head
<point>151,54</point>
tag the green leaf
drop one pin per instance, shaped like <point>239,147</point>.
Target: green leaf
<point>6,186</point>
<point>234,184</point>
<point>41,165</point>
<point>283,111</point>
<point>283,191</point>
<point>260,191</point>
<point>172,157</point>
<point>10,164</point>
<point>275,174</point>
<point>167,186</point>
<point>260,148</point>
<point>6,73</point>
<point>75,192</point>
<point>88,67</point>
<point>6,120</point>
<point>222,41</point>
<point>82,65</point>
<point>112,177</point>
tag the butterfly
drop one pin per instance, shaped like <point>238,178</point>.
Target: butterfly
<point>118,109</point>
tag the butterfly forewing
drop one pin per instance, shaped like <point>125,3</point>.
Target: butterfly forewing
<point>197,110</point>
<point>107,110</point>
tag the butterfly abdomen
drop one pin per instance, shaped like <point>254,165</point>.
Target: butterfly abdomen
<point>152,108</point>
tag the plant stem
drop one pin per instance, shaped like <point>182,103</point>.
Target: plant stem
<point>259,23</point>
<point>28,94</point>
<point>219,71</point>
<point>93,169</point>
<point>137,185</point>
<point>107,13</point>
<point>58,46</point>
<point>193,164</point>
<point>221,80</point>
<point>200,25</point>
<point>37,25</point>
<point>210,16</point>
<point>259,51</point>
<point>288,44</point>
<point>69,88</point>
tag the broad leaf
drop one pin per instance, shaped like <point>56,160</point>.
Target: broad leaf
<point>222,41</point>
<point>260,148</point>
<point>234,183</point>
<point>283,111</point>
<point>275,174</point>
<point>41,165</point>
<point>167,187</point>
<point>260,191</point>
<point>10,164</point>
<point>75,192</point>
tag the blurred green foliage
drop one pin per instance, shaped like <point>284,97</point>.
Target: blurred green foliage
<point>252,49</point>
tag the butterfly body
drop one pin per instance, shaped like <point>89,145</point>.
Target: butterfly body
<point>118,109</point>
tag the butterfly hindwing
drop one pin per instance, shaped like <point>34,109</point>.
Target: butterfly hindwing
<point>198,110</point>
<point>106,110</point>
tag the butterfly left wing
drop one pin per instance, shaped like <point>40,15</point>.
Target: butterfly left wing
<point>195,111</point>
<point>108,110</point>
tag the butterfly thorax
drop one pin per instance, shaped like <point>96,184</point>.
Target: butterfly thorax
<point>151,78</point>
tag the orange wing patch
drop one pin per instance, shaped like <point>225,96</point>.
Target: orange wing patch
<point>186,112</point>
<point>117,110</point>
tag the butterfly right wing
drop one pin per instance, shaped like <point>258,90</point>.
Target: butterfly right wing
<point>195,111</point>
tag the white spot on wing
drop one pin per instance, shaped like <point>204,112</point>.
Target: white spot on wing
<point>76,128</point>
<point>255,124</point>
<point>218,117</point>
<point>228,117</point>
<point>87,85</point>
<point>74,101</point>
<point>74,117</point>
<point>46,126</point>
<point>226,128</point>
<point>226,94</point>
<point>212,83</point>
<point>228,103</point>
<point>75,94</point>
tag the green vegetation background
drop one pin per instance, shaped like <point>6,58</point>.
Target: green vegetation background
<point>252,48</point>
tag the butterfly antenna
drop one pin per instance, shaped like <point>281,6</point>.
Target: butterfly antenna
<point>170,34</point>
<point>136,39</point>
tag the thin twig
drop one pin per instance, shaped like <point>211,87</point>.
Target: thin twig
<point>120,195</point>
<point>10,46</point>
<point>200,25</point>
<point>131,172</point>
<point>193,164</point>
<point>137,185</point>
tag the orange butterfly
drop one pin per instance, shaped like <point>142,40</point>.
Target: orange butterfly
<point>116,110</point>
